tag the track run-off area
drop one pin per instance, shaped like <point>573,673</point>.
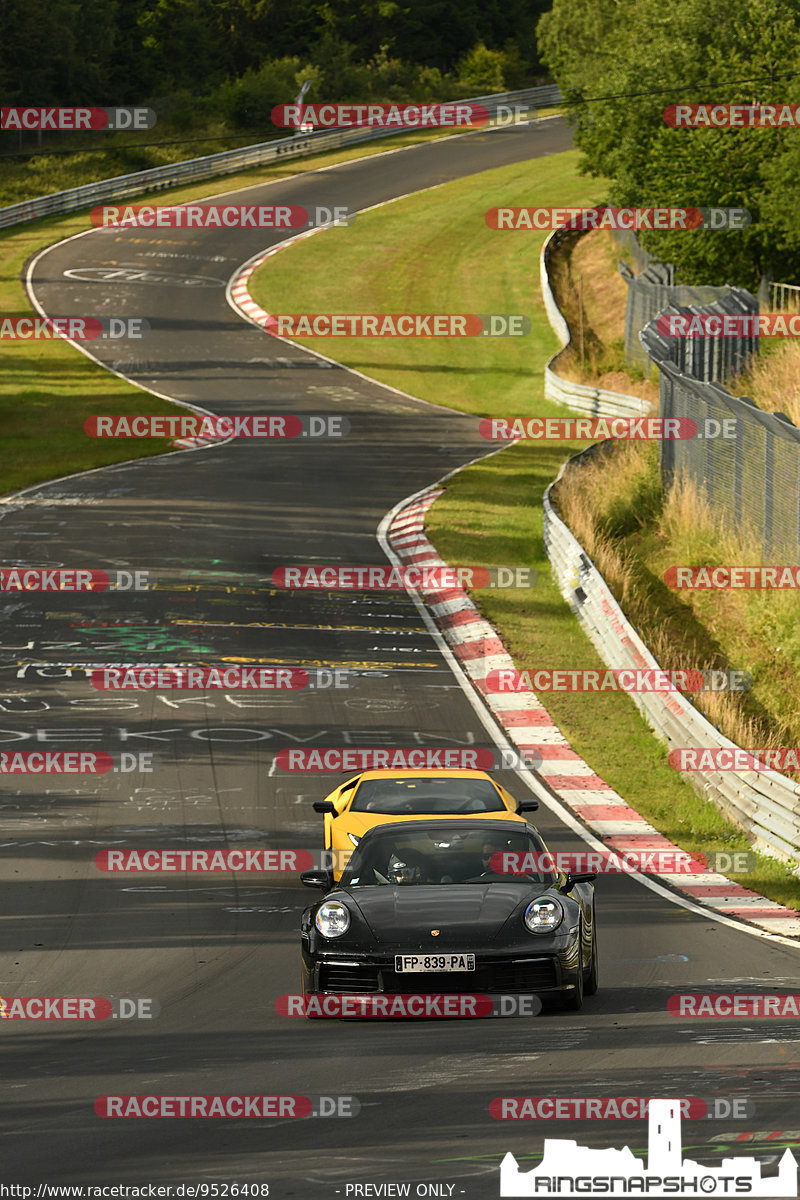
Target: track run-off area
<point>215,952</point>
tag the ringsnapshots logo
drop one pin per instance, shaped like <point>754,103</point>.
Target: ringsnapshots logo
<point>220,216</point>
<point>616,679</point>
<point>62,120</point>
<point>608,217</point>
<point>414,758</point>
<point>732,116</point>
<point>397,579</point>
<point>73,579</point>
<point>397,325</point>
<point>568,1169</point>
<point>209,425</point>
<point>381,116</point>
<point>75,329</point>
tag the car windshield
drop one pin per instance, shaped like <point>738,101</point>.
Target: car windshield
<point>417,794</point>
<point>392,856</point>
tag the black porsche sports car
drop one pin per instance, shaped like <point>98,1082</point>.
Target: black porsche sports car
<point>451,907</point>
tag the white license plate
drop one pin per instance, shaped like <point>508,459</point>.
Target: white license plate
<point>416,963</point>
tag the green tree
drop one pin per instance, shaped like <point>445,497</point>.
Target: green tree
<point>695,52</point>
<point>481,70</point>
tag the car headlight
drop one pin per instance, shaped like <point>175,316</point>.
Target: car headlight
<point>543,915</point>
<point>333,919</point>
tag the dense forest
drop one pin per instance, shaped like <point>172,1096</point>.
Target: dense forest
<point>620,63</point>
<point>218,67</point>
<point>132,51</point>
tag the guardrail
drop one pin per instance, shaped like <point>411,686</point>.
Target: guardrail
<point>749,478</point>
<point>594,401</point>
<point>766,805</point>
<point>707,357</point>
<point>784,296</point>
<point>227,161</point>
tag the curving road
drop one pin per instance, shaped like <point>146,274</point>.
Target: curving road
<point>216,951</point>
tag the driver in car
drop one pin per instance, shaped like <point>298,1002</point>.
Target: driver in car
<point>407,867</point>
<point>488,850</point>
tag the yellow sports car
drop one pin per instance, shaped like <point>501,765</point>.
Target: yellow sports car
<point>381,797</point>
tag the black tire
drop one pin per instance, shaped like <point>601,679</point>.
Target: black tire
<point>573,1000</point>
<point>306,996</point>
<point>591,980</point>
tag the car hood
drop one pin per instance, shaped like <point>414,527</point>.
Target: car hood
<point>405,915</point>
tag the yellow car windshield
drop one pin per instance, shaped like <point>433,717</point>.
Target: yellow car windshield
<point>418,794</point>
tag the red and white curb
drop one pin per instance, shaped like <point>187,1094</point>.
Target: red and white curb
<point>238,291</point>
<point>194,443</point>
<point>528,724</point>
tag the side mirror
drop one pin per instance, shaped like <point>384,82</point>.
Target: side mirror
<point>571,880</point>
<point>318,878</point>
<point>527,806</point>
<point>324,806</point>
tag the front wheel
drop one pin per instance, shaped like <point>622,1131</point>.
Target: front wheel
<point>307,994</point>
<point>573,1001</point>
<point>591,980</point>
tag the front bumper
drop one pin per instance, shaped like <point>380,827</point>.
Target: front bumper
<point>499,973</point>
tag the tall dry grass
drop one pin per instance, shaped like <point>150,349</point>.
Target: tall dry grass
<point>612,503</point>
<point>773,381</point>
